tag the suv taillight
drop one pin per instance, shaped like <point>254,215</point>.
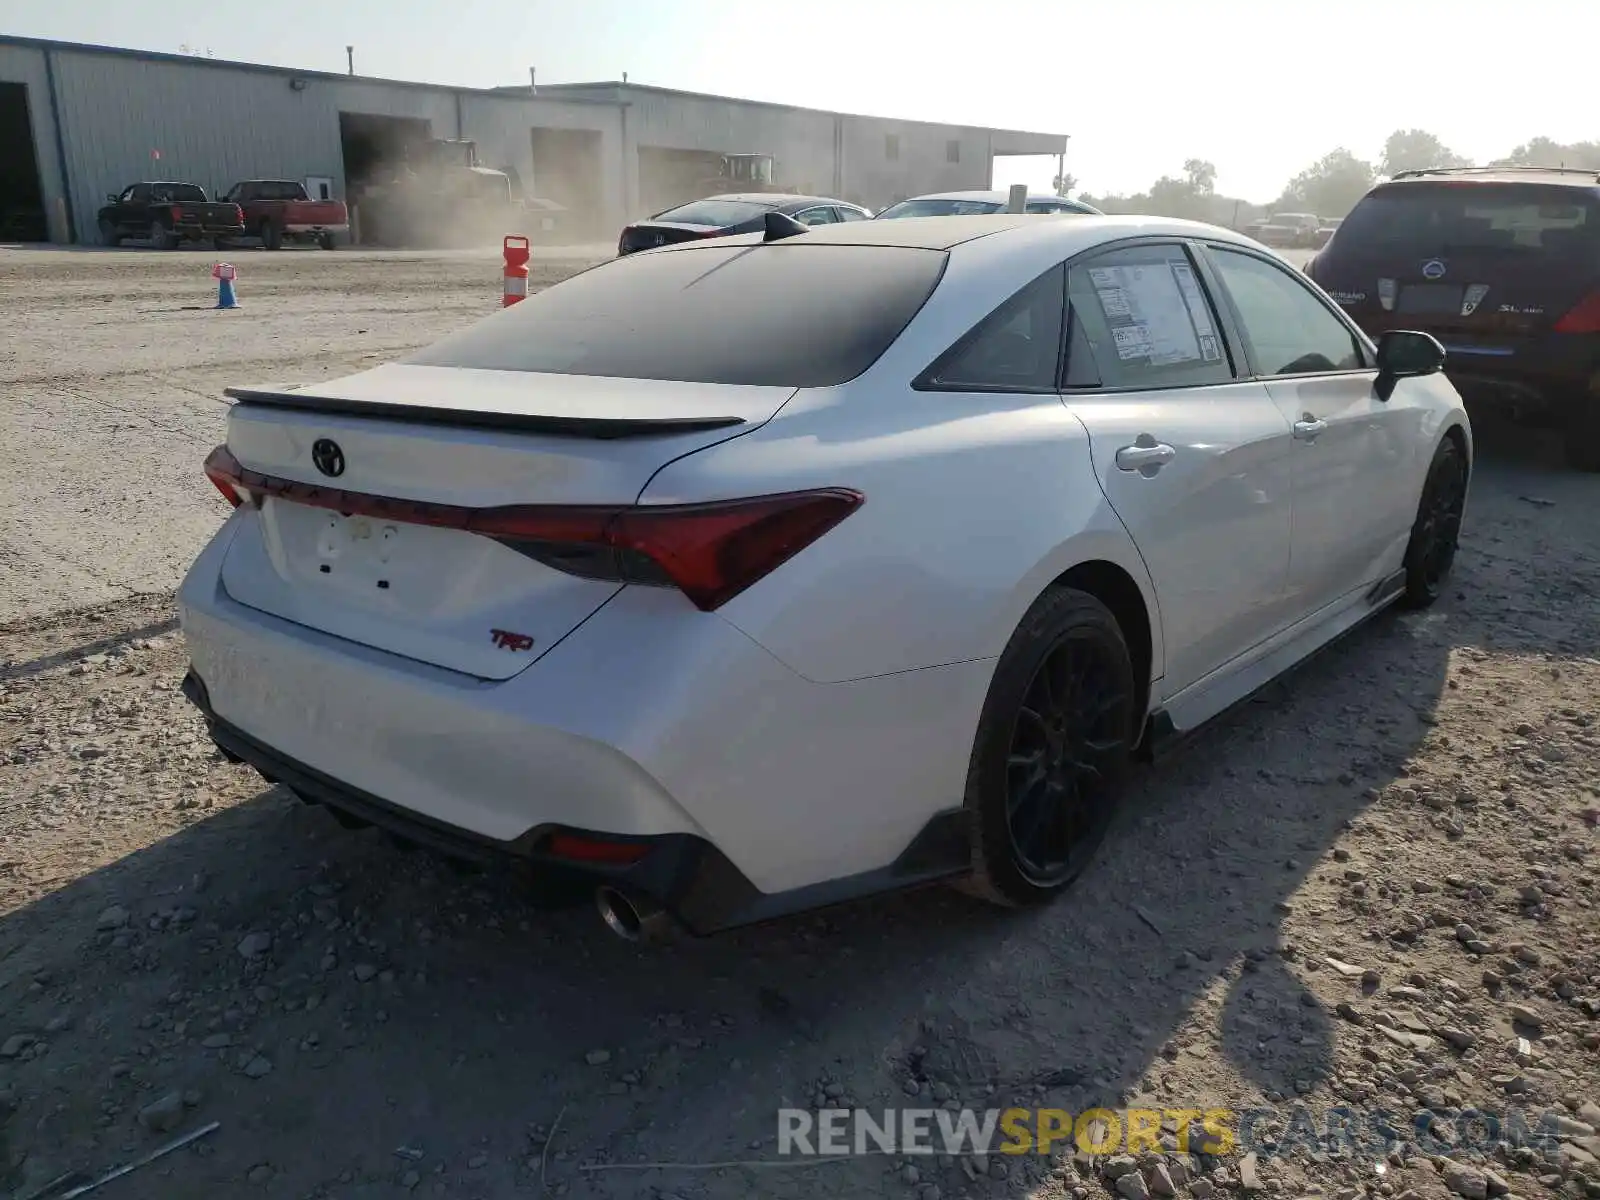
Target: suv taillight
<point>1585,318</point>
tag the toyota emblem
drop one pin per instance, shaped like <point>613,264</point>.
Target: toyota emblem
<point>327,457</point>
<point>1433,269</point>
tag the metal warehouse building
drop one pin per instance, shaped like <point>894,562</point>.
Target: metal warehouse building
<point>78,122</point>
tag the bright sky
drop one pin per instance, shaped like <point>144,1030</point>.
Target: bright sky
<point>1261,88</point>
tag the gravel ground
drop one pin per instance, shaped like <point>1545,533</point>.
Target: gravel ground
<point>1372,886</point>
<point>113,365</point>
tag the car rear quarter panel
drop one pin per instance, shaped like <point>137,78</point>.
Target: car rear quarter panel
<point>974,504</point>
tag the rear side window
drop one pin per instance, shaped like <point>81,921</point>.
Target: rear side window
<point>1144,315</point>
<point>715,212</point>
<point>1429,219</point>
<point>786,314</point>
<point>1016,348</point>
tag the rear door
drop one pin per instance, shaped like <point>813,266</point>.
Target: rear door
<point>1486,267</point>
<point>1353,479</point>
<point>1193,456</point>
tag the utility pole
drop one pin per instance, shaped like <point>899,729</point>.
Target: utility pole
<point>533,80</point>
<point>350,58</point>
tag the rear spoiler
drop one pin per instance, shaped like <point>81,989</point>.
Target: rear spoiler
<point>464,418</point>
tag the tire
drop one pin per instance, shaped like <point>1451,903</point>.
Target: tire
<point>1042,796</point>
<point>1432,548</point>
<point>161,237</point>
<point>271,236</point>
<point>109,235</point>
<point>1581,435</point>
<point>326,241</point>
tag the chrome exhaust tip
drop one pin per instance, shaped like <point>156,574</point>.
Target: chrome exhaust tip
<point>632,919</point>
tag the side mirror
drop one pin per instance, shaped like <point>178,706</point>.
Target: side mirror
<point>1406,354</point>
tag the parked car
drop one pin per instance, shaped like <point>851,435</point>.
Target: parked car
<point>1503,267</point>
<point>1287,230</point>
<point>682,572</point>
<point>971,204</point>
<point>280,210</point>
<point>721,216</point>
<point>1326,230</point>
<point>165,214</point>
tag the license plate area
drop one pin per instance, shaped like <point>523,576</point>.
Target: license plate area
<point>1430,299</point>
<point>355,553</point>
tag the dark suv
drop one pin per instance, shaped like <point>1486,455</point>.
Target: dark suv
<point>1502,265</point>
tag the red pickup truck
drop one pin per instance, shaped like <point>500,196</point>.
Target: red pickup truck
<point>278,211</point>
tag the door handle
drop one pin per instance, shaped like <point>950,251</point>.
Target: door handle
<point>1308,427</point>
<point>1146,455</point>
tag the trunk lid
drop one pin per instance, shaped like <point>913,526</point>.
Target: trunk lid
<point>1484,267</point>
<point>314,212</point>
<point>473,439</point>
<point>209,213</point>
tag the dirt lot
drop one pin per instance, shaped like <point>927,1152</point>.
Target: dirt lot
<point>1337,897</point>
<point>113,364</point>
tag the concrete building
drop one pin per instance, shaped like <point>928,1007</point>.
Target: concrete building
<point>79,122</point>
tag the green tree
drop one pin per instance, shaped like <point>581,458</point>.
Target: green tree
<point>1544,152</point>
<point>1330,186</point>
<point>1201,176</point>
<point>1416,150</point>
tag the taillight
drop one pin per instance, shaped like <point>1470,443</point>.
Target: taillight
<point>591,850</point>
<point>223,470</point>
<point>710,552</point>
<point>1585,318</point>
<point>238,215</point>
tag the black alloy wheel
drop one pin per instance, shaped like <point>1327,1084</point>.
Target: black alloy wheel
<point>1052,751</point>
<point>1437,530</point>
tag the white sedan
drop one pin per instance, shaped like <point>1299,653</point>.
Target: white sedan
<point>756,574</point>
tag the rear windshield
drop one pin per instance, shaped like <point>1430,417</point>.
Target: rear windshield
<point>177,193</point>
<point>1435,218</point>
<point>785,314</point>
<point>277,190</point>
<point>940,208</point>
<point>715,212</point>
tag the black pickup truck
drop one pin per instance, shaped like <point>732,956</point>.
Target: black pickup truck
<point>165,214</point>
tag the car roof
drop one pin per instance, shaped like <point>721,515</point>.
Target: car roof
<point>771,199</point>
<point>945,233</point>
<point>996,197</point>
<point>1544,176</point>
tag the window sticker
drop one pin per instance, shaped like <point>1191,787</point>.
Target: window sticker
<point>1199,314</point>
<point>1149,315</point>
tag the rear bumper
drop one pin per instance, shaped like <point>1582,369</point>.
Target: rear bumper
<point>652,721</point>
<point>305,229</point>
<point>192,229</point>
<point>683,874</point>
